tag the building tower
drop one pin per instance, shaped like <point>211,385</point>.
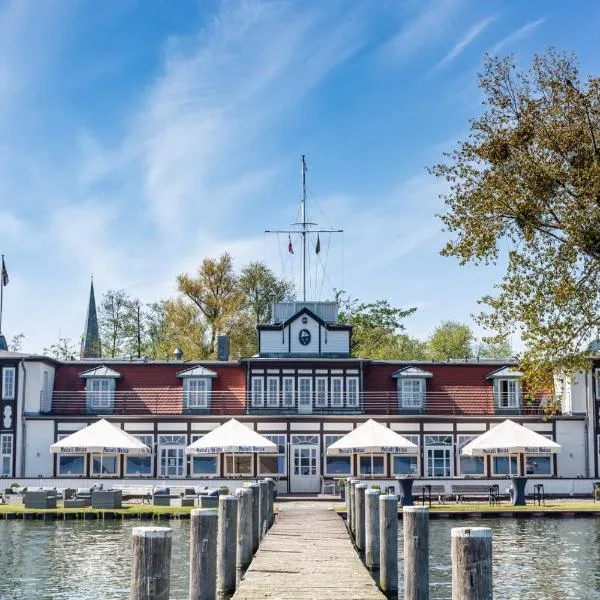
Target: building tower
<point>90,343</point>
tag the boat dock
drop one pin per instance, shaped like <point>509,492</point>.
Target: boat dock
<point>307,554</point>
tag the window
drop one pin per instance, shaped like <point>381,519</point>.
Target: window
<point>371,464</point>
<point>438,455</point>
<point>273,391</point>
<point>238,464</point>
<point>6,451</point>
<point>538,464</point>
<point>141,465</point>
<point>321,392</point>
<point>171,453</point>
<point>104,465</point>
<point>469,465</point>
<point>258,391</point>
<point>70,464</point>
<point>500,465</point>
<point>288,391</point>
<point>411,392</point>
<point>507,393</point>
<point>304,392</point>
<point>336,465</point>
<point>274,464</point>
<point>597,378</point>
<point>336,391</point>
<point>352,392</point>
<point>101,394</point>
<point>205,464</point>
<point>195,392</point>
<point>8,383</point>
<point>405,464</point>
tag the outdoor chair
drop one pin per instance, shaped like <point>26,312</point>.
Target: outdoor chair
<point>106,498</point>
<point>208,501</point>
<point>84,495</point>
<point>161,497</point>
<point>188,498</point>
<point>40,499</point>
<point>327,486</point>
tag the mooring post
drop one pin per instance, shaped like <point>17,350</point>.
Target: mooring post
<point>359,539</point>
<point>244,530</point>
<point>265,489</point>
<point>255,489</point>
<point>471,551</point>
<point>270,510</point>
<point>388,545</point>
<point>203,554</point>
<point>372,528</point>
<point>350,493</point>
<point>151,563</point>
<point>416,552</point>
<point>226,546</point>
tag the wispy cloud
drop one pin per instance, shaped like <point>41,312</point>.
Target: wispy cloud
<point>468,38</point>
<point>517,35</point>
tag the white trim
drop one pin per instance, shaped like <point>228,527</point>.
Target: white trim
<point>8,383</point>
<point>415,438</point>
<point>257,392</point>
<point>305,407</point>
<point>328,439</point>
<point>459,458</point>
<point>273,392</point>
<point>148,439</point>
<point>321,392</point>
<point>6,443</point>
<point>337,395</point>
<point>276,438</point>
<point>288,395</point>
<point>367,458</point>
<point>236,458</point>
<point>102,397</point>
<point>352,395</point>
<point>196,398</point>
<point>410,398</point>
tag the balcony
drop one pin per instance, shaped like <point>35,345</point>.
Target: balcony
<point>238,402</point>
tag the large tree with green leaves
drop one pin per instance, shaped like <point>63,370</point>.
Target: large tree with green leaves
<point>117,323</point>
<point>449,340</point>
<point>525,187</point>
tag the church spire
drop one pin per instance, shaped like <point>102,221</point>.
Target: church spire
<point>90,343</point>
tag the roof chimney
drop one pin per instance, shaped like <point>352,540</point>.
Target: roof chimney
<point>178,352</point>
<point>223,347</point>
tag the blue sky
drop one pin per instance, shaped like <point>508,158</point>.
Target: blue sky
<point>137,138</point>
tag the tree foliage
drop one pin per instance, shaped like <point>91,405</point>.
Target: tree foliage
<point>16,342</point>
<point>117,317</point>
<point>63,349</point>
<point>498,347</point>
<point>527,180</point>
<point>451,339</point>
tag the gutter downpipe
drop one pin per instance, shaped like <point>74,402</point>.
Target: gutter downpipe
<point>21,416</point>
<point>588,407</point>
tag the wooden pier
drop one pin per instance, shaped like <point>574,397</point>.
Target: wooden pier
<point>307,554</point>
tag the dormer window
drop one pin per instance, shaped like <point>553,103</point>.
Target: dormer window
<point>411,386</point>
<point>100,385</point>
<point>507,389</point>
<point>197,388</point>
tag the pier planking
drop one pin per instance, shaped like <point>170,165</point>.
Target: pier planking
<point>307,554</point>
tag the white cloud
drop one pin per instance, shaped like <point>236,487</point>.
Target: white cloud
<point>517,35</point>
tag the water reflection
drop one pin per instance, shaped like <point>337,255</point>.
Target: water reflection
<point>549,559</point>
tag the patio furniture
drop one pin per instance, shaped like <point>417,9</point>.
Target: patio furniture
<point>106,498</point>
<point>40,499</point>
<point>75,503</point>
<point>84,494</point>
<point>538,494</point>
<point>69,493</point>
<point>208,501</point>
<point>470,491</point>
<point>494,494</point>
<point>327,486</point>
<point>406,494</point>
<point>518,491</point>
<point>427,491</point>
<point>188,497</point>
<point>161,497</point>
<point>596,491</point>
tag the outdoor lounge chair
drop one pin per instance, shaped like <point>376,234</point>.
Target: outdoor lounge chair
<point>106,498</point>
<point>83,495</point>
<point>40,499</point>
<point>161,497</point>
<point>188,498</point>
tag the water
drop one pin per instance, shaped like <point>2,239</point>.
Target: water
<point>534,559</point>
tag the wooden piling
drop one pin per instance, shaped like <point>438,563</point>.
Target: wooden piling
<point>265,488</point>
<point>226,546</point>
<point>350,498</point>
<point>471,563</point>
<point>388,545</point>
<point>255,489</point>
<point>270,511</point>
<point>372,528</point>
<point>416,552</point>
<point>203,554</point>
<point>359,497</point>
<point>151,563</point>
<point>244,530</point>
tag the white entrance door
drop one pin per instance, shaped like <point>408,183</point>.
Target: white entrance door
<point>439,462</point>
<point>171,461</point>
<point>305,395</point>
<point>305,468</point>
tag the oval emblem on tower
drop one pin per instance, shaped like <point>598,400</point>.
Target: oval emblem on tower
<point>304,337</point>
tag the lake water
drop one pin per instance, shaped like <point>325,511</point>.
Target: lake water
<point>534,559</point>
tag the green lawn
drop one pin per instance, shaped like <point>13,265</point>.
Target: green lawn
<point>133,509</point>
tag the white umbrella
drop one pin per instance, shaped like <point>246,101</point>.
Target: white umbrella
<point>101,438</point>
<point>372,438</point>
<point>232,437</point>
<point>510,438</point>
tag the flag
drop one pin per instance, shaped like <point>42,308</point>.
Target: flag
<point>4,275</point>
<point>318,246</point>
<point>290,247</point>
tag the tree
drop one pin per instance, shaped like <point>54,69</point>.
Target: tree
<point>63,349</point>
<point>215,291</point>
<point>451,339</point>
<point>117,323</point>
<point>496,348</point>
<point>528,180</point>
<point>260,288</point>
<point>184,329</point>
<point>16,343</point>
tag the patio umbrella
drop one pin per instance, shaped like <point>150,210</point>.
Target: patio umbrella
<point>101,438</point>
<point>371,438</point>
<point>234,438</point>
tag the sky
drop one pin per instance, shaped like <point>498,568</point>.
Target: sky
<point>139,137</point>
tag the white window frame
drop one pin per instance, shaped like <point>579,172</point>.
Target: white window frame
<point>289,391</point>
<point>301,392</point>
<point>196,398</point>
<point>461,441</point>
<point>329,439</point>
<point>409,396</point>
<point>100,398</point>
<point>415,438</point>
<point>195,437</point>
<point>321,392</point>
<point>280,440</point>
<point>352,392</point>
<point>337,395</point>
<point>438,442</point>
<point>235,457</point>
<point>8,383</point>
<point>148,439</point>
<point>102,459</point>
<point>6,452</point>
<point>493,464</point>
<point>62,436</point>
<point>526,456</point>
<point>273,392</point>
<point>258,391</point>
<point>367,458</point>
<point>171,442</point>
<point>513,397</point>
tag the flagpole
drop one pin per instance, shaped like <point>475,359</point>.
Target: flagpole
<point>303,212</point>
